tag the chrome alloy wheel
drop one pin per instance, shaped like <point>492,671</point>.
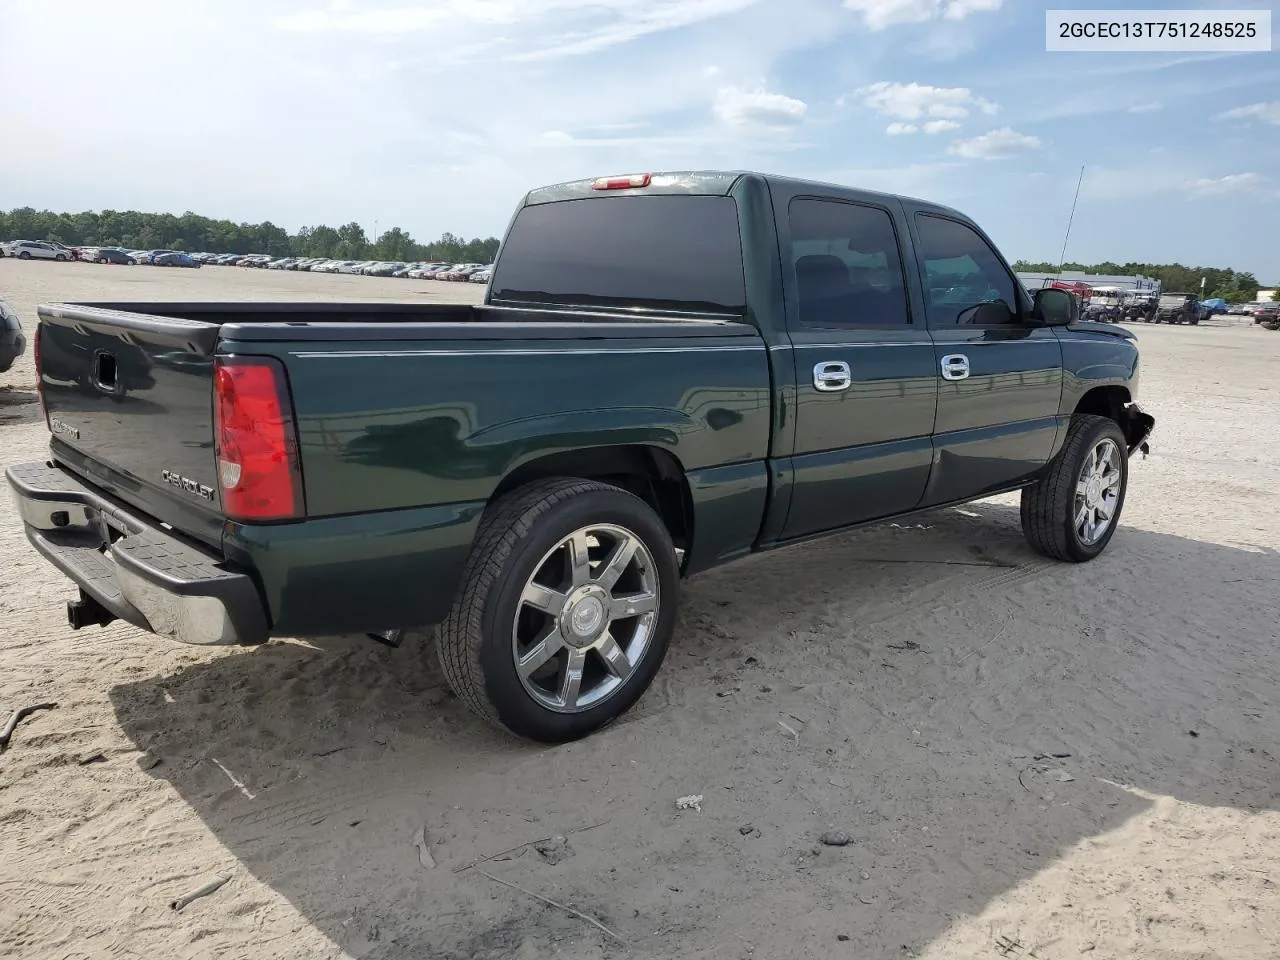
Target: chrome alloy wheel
<point>585,618</point>
<point>1097,492</point>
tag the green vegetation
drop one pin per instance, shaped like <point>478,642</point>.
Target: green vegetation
<point>1221,282</point>
<point>192,232</point>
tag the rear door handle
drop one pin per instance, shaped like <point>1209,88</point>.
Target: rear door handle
<point>832,376</point>
<point>955,366</point>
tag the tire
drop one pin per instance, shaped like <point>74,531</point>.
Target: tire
<point>521,536</point>
<point>25,255</point>
<point>1049,508</point>
<point>61,258</point>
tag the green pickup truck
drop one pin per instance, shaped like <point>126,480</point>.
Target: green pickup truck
<point>668,372</point>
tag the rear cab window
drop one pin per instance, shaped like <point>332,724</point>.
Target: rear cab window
<point>663,253</point>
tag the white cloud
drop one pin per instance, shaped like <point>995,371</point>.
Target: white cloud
<point>898,128</point>
<point>995,145</point>
<point>758,108</point>
<point>580,26</point>
<point>1247,182</point>
<point>1152,107</point>
<point>879,14</point>
<point>1264,112</point>
<point>914,101</point>
<point>959,9</point>
<point>710,71</point>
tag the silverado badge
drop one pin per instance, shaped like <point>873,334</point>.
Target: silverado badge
<point>63,429</point>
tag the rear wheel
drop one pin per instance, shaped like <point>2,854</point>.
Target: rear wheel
<point>61,258</point>
<point>1072,513</point>
<point>24,255</point>
<point>565,611</point>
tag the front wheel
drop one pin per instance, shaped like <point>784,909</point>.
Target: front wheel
<point>565,611</point>
<point>1072,513</point>
<point>24,255</point>
<point>61,258</point>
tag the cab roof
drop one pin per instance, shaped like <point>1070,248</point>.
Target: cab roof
<point>714,183</point>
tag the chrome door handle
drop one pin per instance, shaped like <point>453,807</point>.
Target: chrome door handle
<point>832,376</point>
<point>955,366</point>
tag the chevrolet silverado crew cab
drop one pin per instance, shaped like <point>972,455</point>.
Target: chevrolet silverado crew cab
<point>668,372</point>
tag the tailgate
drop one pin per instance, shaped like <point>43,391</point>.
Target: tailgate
<point>130,402</point>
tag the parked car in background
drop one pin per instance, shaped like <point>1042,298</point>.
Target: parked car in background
<point>1267,314</point>
<point>149,256</point>
<point>427,271</point>
<point>481,276</point>
<point>35,250</point>
<point>174,259</point>
<point>13,343</point>
<point>386,269</point>
<point>1178,308</point>
<point>106,255</point>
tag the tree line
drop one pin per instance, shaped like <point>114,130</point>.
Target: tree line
<point>134,230</point>
<point>1223,282</point>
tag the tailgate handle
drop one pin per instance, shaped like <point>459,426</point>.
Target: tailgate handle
<point>105,372</point>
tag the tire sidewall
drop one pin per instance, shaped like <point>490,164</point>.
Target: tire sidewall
<point>1093,435</point>
<point>516,709</point>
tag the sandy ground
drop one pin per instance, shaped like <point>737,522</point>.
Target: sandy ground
<point>1030,759</point>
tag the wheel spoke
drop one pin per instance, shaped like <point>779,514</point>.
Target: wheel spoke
<point>579,559</point>
<point>1082,519</point>
<point>614,659</point>
<point>1090,465</point>
<point>572,682</point>
<point>1082,486</point>
<point>1105,463</point>
<point>548,646</point>
<point>543,598</point>
<point>632,605</point>
<point>1095,525</point>
<point>618,560</point>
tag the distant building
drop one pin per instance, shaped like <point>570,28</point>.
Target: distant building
<point>1268,296</point>
<point>1034,281</point>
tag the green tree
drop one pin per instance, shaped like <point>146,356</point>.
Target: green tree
<point>191,231</point>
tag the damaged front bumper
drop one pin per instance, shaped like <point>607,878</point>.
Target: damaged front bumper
<point>1138,427</point>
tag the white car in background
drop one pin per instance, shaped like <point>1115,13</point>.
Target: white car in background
<point>34,250</point>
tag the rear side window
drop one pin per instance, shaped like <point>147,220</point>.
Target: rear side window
<point>662,252</point>
<point>848,270</point>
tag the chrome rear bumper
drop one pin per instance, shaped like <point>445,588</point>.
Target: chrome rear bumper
<point>135,570</point>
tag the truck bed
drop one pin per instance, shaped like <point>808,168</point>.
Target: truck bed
<point>377,391</point>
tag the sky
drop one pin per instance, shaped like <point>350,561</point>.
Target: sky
<point>438,115</point>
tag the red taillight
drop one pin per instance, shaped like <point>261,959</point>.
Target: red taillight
<point>622,183</point>
<point>256,440</point>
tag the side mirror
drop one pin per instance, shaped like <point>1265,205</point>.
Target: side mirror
<point>1055,308</point>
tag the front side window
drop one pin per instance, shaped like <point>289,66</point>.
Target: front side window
<point>965,282</point>
<point>848,271</point>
